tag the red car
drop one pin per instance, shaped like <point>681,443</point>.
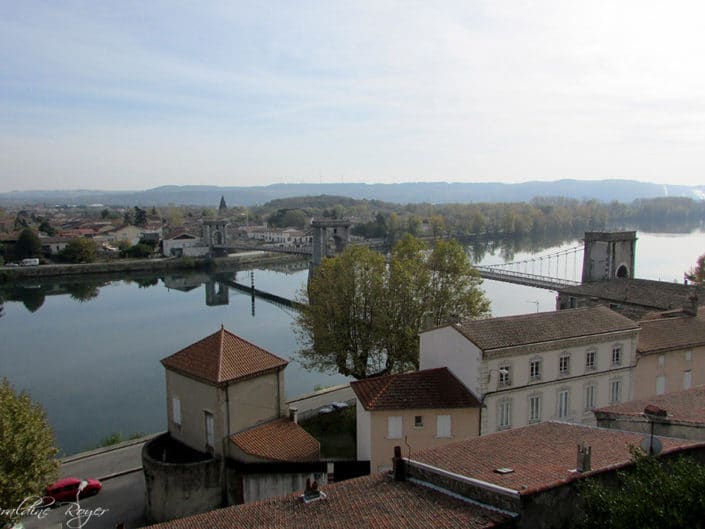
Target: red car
<point>67,488</point>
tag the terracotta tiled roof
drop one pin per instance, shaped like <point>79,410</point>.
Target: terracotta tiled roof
<point>542,455</point>
<point>223,357</point>
<point>430,388</point>
<point>509,331</point>
<point>645,292</point>
<point>687,407</point>
<point>370,501</point>
<point>670,333</point>
<point>278,440</point>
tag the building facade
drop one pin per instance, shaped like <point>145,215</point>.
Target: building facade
<point>422,409</point>
<point>670,355</point>
<point>546,366</point>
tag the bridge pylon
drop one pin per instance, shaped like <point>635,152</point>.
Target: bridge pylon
<point>609,255</point>
<point>330,237</point>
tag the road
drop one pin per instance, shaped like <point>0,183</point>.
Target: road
<point>122,499</point>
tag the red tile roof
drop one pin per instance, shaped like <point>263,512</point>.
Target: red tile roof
<point>669,334</point>
<point>430,388</point>
<point>542,455</point>
<point>687,407</point>
<point>510,331</point>
<point>278,440</point>
<point>223,357</point>
<point>370,501</point>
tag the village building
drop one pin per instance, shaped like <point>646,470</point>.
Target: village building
<point>230,434</point>
<point>182,243</point>
<point>278,236</point>
<point>421,409</point>
<point>129,234</point>
<point>535,367</point>
<point>520,478</point>
<point>678,414</point>
<point>670,354</point>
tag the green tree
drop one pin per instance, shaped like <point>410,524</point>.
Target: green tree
<point>363,316</point>
<point>79,250</point>
<point>341,324</point>
<point>47,228</point>
<point>28,244</point>
<point>139,251</point>
<point>455,292</point>
<point>140,217</point>
<point>697,274</point>
<point>654,494</point>
<point>27,450</point>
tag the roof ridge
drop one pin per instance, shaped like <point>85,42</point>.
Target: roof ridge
<point>255,345</point>
<point>220,353</point>
<point>391,378</point>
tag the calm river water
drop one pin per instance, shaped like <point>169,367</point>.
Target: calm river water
<point>94,364</point>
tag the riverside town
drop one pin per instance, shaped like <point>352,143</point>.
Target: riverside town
<point>352,265</point>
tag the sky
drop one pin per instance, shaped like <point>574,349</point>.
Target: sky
<point>132,95</point>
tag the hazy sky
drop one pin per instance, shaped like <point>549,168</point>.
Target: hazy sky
<point>132,95</point>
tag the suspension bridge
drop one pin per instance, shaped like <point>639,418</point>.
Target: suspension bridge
<point>552,271</point>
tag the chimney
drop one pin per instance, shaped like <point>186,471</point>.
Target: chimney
<point>294,415</point>
<point>691,306</point>
<point>398,465</point>
<point>584,458</point>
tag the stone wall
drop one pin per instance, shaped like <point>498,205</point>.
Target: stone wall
<point>178,489</point>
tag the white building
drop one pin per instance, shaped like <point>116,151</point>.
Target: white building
<point>184,244</point>
<point>529,368</point>
<point>279,236</point>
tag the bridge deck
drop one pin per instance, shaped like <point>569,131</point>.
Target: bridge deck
<point>518,278</point>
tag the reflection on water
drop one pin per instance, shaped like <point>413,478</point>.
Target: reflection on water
<point>89,351</point>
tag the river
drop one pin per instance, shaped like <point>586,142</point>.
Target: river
<point>90,353</point>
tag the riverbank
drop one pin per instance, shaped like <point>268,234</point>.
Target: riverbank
<point>127,266</point>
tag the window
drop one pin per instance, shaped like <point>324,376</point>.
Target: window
<point>617,355</point>
<point>687,378</point>
<point>563,410</point>
<point>615,391</point>
<point>688,356</point>
<point>661,360</point>
<point>176,411</point>
<point>534,408</point>
<point>572,302</point>
<point>564,364</point>
<point>418,421</point>
<point>394,427</point>
<point>505,375</point>
<point>660,385</point>
<point>590,364</point>
<point>505,415</point>
<point>443,426</point>
<point>590,397</point>
<point>535,369</point>
<point>209,431</point>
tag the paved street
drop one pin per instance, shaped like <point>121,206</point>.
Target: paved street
<point>121,499</point>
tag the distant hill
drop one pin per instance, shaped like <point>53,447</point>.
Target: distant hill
<point>412,192</point>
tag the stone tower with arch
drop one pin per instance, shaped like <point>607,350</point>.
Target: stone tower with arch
<point>609,255</point>
<point>330,237</point>
<point>215,234</point>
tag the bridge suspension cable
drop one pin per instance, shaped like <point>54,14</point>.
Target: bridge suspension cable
<point>546,271</point>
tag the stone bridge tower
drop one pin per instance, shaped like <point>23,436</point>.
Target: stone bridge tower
<point>330,237</point>
<point>215,233</point>
<point>609,255</point>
